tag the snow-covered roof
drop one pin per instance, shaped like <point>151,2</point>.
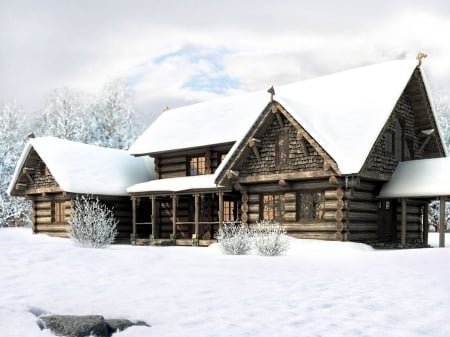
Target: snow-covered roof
<point>87,169</point>
<point>343,112</point>
<point>218,121</point>
<point>179,184</point>
<point>419,178</point>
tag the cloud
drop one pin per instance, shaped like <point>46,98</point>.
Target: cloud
<point>174,53</point>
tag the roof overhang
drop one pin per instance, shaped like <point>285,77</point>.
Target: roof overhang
<point>425,178</point>
<point>178,185</point>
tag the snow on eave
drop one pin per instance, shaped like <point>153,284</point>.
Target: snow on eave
<point>18,169</point>
<point>177,184</point>
<point>427,178</point>
<point>433,109</point>
<point>87,169</point>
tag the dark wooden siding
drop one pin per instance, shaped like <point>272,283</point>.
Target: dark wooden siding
<point>297,159</point>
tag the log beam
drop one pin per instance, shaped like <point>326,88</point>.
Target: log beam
<point>403,229</point>
<point>442,222</point>
<point>133,234</point>
<point>153,200</point>
<point>220,210</point>
<point>174,215</point>
<point>425,224</point>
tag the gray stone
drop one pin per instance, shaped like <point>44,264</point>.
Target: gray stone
<point>77,326</point>
<point>85,326</point>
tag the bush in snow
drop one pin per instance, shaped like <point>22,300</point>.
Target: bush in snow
<point>92,224</point>
<point>233,239</point>
<point>269,238</point>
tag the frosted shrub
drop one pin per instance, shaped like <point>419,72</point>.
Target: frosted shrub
<point>269,238</point>
<point>233,239</point>
<point>92,224</point>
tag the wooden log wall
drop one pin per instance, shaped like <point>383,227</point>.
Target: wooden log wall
<point>331,227</point>
<point>44,216</point>
<point>176,165</point>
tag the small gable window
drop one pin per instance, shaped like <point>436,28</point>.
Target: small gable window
<point>272,207</point>
<point>282,149</point>
<point>310,206</point>
<point>196,166</point>
<point>389,143</point>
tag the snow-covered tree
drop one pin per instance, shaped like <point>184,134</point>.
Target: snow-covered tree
<point>269,238</point>
<point>13,211</point>
<point>92,223</point>
<point>434,215</point>
<point>112,114</point>
<point>66,116</point>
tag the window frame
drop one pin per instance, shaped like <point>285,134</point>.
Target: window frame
<point>196,165</point>
<point>272,207</point>
<point>317,207</point>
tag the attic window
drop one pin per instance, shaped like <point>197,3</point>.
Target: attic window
<point>282,149</point>
<point>389,143</point>
<point>196,166</point>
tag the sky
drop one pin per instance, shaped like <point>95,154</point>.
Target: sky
<point>173,53</point>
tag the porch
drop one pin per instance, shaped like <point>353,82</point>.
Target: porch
<point>185,211</point>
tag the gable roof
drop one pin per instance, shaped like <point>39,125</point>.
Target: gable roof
<point>419,178</point>
<point>343,112</point>
<point>220,121</point>
<point>83,168</point>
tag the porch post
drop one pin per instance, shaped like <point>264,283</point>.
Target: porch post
<point>133,206</point>
<point>197,215</point>
<point>442,222</point>
<point>220,210</point>
<point>153,198</point>
<point>174,215</point>
<point>425,225</point>
<point>403,232</point>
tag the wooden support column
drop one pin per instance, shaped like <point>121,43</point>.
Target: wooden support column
<point>403,232</point>
<point>153,199</point>
<point>442,222</point>
<point>196,219</point>
<point>220,210</point>
<point>425,224</point>
<point>133,234</point>
<point>174,215</point>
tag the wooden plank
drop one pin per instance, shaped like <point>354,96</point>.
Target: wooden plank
<point>43,205</point>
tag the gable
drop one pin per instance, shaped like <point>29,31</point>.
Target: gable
<point>35,177</point>
<point>410,133</point>
<point>278,147</point>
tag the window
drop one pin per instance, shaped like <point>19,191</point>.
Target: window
<point>197,166</point>
<point>60,212</point>
<point>272,207</point>
<point>229,211</point>
<point>389,143</point>
<point>310,206</point>
<point>282,149</point>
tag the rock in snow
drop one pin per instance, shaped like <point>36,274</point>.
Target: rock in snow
<point>85,326</point>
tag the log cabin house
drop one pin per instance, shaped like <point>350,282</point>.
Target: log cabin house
<point>313,155</point>
<point>51,172</point>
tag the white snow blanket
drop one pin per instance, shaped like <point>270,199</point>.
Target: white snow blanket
<point>318,288</point>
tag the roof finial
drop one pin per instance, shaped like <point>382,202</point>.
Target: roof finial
<point>165,108</point>
<point>271,91</point>
<point>31,135</point>
<point>420,56</point>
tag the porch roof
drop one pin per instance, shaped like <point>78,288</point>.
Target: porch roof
<point>178,184</point>
<point>419,178</point>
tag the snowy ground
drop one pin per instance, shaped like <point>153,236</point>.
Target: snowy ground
<point>317,289</point>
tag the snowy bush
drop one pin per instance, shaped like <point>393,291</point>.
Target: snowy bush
<point>92,224</point>
<point>233,239</point>
<point>269,238</point>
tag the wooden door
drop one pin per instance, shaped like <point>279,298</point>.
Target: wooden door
<point>387,220</point>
